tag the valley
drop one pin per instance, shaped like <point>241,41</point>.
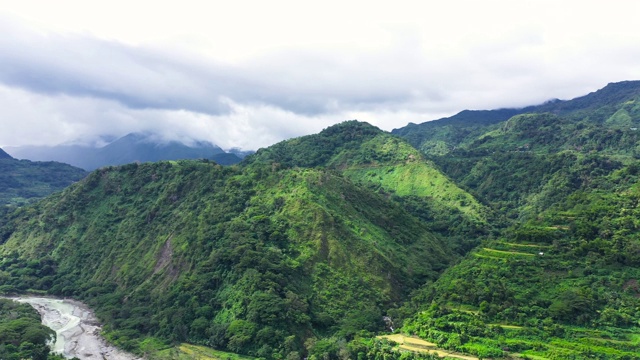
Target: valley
<point>491,234</point>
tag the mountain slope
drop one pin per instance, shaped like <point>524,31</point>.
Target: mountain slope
<point>390,166</point>
<point>439,137</point>
<point>592,122</point>
<point>526,163</point>
<point>22,181</point>
<point>564,285</point>
<point>239,258</point>
<point>611,95</point>
<point>561,280</point>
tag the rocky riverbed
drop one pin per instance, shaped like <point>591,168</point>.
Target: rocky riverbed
<point>77,330</point>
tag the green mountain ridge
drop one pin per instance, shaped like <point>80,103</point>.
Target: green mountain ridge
<point>589,123</point>
<point>523,164</point>
<point>390,166</point>
<point>23,181</point>
<point>500,234</point>
<point>559,282</point>
<point>562,285</point>
<point>262,259</point>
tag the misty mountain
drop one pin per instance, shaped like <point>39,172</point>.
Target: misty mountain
<point>134,147</point>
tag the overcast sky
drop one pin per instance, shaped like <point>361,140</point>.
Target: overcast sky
<point>250,73</point>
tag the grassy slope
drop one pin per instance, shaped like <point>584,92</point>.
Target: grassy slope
<point>397,167</point>
<point>567,281</point>
<point>524,164</point>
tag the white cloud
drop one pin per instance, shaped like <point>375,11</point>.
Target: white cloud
<point>37,119</point>
<point>250,73</point>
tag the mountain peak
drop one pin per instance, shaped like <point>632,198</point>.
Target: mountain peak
<point>352,127</point>
<point>318,149</point>
<point>613,93</point>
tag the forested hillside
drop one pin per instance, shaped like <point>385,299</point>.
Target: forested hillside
<point>499,234</point>
<point>560,280</point>
<point>606,120</point>
<point>270,259</point>
<point>391,167</point>
<point>22,181</point>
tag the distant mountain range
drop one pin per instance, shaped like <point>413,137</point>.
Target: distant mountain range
<point>134,147</point>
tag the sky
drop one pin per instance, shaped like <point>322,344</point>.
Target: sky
<point>247,74</point>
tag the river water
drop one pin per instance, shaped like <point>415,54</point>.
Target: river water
<point>77,330</point>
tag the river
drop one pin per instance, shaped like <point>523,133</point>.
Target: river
<point>76,327</point>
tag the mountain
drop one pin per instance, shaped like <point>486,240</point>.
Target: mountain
<point>525,163</point>
<point>606,118</point>
<point>506,234</point>
<point>611,95</point>
<point>22,181</point>
<point>144,148</point>
<point>559,278</point>
<point>271,258</point>
<point>390,166</point>
<point>561,285</point>
<point>134,147</point>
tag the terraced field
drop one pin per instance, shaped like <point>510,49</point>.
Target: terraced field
<point>195,352</point>
<point>500,250</point>
<point>408,343</point>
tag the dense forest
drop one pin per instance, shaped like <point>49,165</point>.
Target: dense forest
<point>498,234</point>
<point>24,181</point>
<point>266,259</point>
<point>559,278</point>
